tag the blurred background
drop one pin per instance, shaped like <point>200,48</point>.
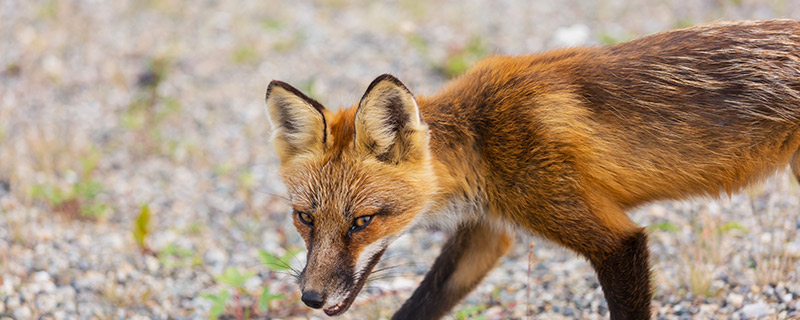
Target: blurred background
<point>137,180</point>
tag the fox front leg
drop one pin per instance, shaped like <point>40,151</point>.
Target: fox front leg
<point>465,259</point>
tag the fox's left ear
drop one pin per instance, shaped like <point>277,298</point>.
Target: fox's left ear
<point>388,123</point>
<point>298,122</point>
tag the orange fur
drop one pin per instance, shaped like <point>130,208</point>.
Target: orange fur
<point>559,144</point>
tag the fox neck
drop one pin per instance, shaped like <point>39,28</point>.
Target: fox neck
<point>455,154</point>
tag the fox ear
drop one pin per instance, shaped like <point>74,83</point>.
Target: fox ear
<point>298,122</point>
<point>388,123</point>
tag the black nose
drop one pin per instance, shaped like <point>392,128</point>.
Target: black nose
<point>313,299</point>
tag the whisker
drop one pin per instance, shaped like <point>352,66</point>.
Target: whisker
<point>273,194</point>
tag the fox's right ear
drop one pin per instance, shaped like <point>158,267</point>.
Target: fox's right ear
<point>298,122</point>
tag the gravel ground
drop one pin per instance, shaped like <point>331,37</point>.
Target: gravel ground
<point>115,111</point>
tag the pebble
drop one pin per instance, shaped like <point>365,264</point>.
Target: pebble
<point>755,310</point>
<point>571,36</point>
<point>22,313</point>
<point>735,299</point>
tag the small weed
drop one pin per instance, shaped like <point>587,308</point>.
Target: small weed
<point>176,256</point>
<point>732,226</point>
<point>460,60</point>
<point>470,312</point>
<point>310,87</point>
<point>608,38</point>
<point>275,263</point>
<point>236,279</point>
<point>772,262</point>
<point>80,198</point>
<point>48,10</point>
<point>271,24</point>
<point>222,169</point>
<point>289,44</point>
<point>665,226</point>
<point>707,252</point>
<point>149,110</point>
<point>141,229</point>
<point>417,8</point>
<point>418,42</point>
<point>218,302</point>
<point>245,54</point>
<point>195,228</point>
<point>267,297</point>
<point>683,23</point>
<point>246,184</point>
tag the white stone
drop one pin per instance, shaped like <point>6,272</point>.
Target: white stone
<point>735,299</point>
<point>22,313</point>
<point>41,276</point>
<point>571,36</point>
<point>755,310</point>
<point>152,264</point>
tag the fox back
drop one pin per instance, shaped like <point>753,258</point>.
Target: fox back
<point>558,144</point>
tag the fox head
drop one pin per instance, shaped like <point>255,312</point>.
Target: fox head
<point>356,179</point>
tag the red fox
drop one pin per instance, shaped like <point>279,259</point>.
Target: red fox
<point>559,144</point>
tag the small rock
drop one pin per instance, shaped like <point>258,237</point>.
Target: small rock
<point>574,35</point>
<point>793,248</point>
<point>22,313</point>
<point>755,310</point>
<point>45,303</point>
<point>736,299</point>
<point>152,264</point>
<point>403,283</point>
<point>41,276</point>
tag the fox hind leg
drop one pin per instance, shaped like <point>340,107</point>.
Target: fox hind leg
<point>614,245</point>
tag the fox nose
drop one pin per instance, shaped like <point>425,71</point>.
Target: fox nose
<point>313,299</point>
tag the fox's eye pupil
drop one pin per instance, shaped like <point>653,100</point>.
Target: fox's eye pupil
<point>362,222</point>
<point>305,218</point>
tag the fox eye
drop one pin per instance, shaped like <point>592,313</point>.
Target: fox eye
<point>361,223</point>
<point>305,218</point>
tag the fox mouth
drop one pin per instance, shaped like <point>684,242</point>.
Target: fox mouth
<point>345,304</point>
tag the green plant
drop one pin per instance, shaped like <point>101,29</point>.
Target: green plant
<point>310,87</point>
<point>267,297</point>
<point>663,226</point>
<point>149,109</point>
<point>271,24</point>
<point>707,252</point>
<point>608,38</point>
<point>142,227</point>
<point>460,60</point>
<point>245,54</point>
<point>470,312</point>
<point>218,302</point>
<point>246,183</point>
<point>275,263</point>
<point>236,279</point>
<point>80,198</point>
<point>176,256</point>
